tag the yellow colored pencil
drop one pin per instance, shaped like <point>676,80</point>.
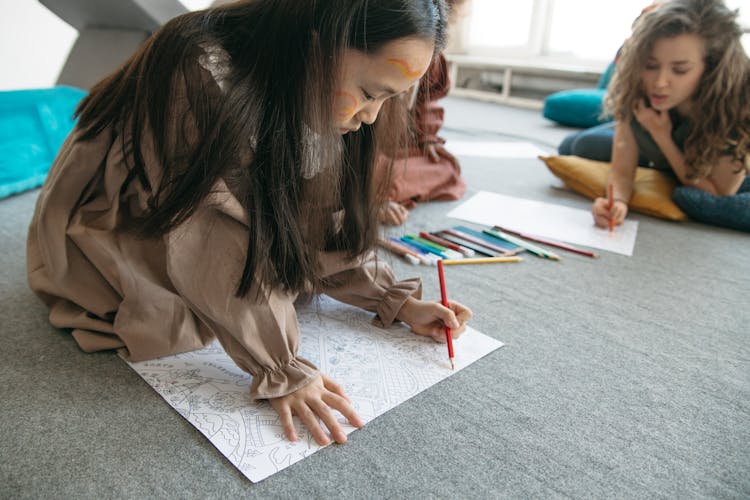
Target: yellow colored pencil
<point>481,260</point>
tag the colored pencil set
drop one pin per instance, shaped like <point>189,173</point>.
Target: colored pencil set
<point>463,245</point>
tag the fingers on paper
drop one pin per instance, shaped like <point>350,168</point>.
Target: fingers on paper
<point>321,409</point>
<point>287,422</point>
<point>337,399</point>
<point>309,419</point>
<point>344,407</point>
<point>334,386</point>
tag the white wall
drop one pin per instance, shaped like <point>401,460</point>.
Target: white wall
<point>33,45</point>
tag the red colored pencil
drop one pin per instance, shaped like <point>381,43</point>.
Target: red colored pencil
<point>444,300</point>
<point>611,204</point>
<point>556,244</point>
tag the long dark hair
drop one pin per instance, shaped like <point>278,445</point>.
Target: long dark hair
<point>261,119</point>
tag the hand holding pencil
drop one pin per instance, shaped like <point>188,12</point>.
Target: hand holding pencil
<point>429,318</point>
<point>609,211</point>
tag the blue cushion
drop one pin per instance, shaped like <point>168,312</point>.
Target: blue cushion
<point>575,108</point>
<point>33,126</point>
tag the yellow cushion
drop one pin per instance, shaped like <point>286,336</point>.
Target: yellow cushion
<point>652,190</point>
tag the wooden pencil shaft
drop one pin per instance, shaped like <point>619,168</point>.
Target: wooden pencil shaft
<point>475,240</point>
<point>487,260</point>
<point>428,243</point>
<point>552,243</point>
<point>413,251</point>
<point>476,248</point>
<point>444,301</point>
<point>448,244</point>
<point>520,242</point>
<point>424,247</point>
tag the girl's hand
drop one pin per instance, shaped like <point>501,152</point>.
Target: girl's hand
<point>657,123</point>
<point>312,402</point>
<point>602,213</point>
<point>432,153</point>
<point>430,318</point>
<point>392,213</point>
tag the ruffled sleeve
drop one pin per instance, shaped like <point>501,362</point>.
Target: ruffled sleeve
<point>205,258</point>
<point>368,283</point>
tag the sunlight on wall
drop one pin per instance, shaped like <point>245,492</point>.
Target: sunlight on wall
<point>34,44</point>
<point>591,29</point>
<point>196,4</point>
<point>491,25</point>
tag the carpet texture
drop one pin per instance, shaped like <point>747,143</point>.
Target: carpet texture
<point>623,377</point>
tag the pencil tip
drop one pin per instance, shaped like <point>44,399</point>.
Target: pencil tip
<point>453,366</point>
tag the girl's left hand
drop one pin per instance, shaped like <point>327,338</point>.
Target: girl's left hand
<point>392,213</point>
<point>657,123</point>
<point>430,318</point>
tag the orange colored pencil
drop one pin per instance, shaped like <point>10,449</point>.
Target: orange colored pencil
<point>444,300</point>
<point>611,204</point>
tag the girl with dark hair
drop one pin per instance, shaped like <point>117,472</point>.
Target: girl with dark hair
<point>680,95</point>
<point>226,170</point>
<point>426,170</point>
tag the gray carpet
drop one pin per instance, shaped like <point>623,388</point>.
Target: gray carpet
<point>625,377</point>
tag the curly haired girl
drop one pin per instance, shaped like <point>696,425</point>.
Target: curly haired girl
<point>681,98</point>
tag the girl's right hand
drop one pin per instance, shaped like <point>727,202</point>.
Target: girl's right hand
<point>602,214</point>
<point>312,402</point>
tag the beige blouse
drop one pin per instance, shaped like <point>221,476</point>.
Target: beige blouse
<point>155,297</point>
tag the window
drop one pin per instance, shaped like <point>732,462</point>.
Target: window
<point>586,32</point>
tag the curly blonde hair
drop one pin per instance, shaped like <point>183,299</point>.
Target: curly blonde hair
<point>721,110</point>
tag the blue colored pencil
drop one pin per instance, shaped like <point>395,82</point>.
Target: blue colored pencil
<point>488,239</point>
<point>426,248</point>
<point>427,257</point>
<point>536,250</point>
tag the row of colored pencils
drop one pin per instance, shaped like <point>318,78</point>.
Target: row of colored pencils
<point>461,245</point>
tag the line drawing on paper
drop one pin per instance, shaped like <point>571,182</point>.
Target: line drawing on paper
<point>378,368</point>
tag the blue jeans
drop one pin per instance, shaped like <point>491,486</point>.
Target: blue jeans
<point>594,143</point>
<point>726,211</point>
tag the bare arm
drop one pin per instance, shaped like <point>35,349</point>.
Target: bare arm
<point>725,178</point>
<point>624,162</point>
<point>622,175</point>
